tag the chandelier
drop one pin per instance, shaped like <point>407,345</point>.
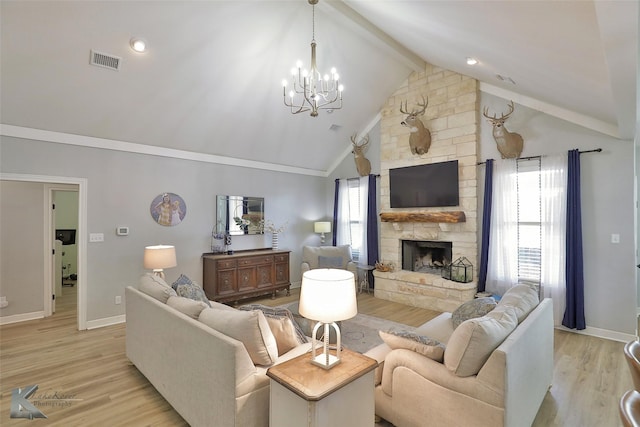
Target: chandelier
<point>311,91</point>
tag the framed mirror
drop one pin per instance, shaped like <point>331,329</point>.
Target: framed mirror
<point>240,215</point>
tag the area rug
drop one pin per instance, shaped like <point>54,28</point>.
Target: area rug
<point>359,333</point>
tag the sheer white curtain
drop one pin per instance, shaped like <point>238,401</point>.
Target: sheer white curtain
<point>502,268</point>
<point>363,194</point>
<point>343,228</point>
<point>553,182</point>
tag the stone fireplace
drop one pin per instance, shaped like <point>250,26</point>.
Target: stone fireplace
<point>452,118</point>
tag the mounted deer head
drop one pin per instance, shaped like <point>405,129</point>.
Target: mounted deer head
<point>363,165</point>
<point>420,138</point>
<point>509,144</point>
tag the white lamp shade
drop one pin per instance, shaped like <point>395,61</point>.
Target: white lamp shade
<point>328,295</point>
<point>159,257</point>
<point>322,227</point>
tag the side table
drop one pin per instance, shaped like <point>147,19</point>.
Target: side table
<point>305,395</point>
<point>364,270</point>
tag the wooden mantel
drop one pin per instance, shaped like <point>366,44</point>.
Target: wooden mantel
<point>443,216</point>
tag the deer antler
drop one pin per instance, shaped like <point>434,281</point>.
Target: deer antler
<point>354,140</point>
<point>423,105</point>
<point>403,109</point>
<point>510,105</point>
<point>485,112</point>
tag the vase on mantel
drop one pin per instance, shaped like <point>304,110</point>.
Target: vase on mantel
<point>274,241</point>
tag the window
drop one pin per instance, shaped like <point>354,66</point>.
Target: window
<point>529,221</point>
<point>355,218</point>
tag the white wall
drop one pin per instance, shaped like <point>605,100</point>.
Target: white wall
<point>22,210</point>
<point>121,187</point>
<point>607,180</point>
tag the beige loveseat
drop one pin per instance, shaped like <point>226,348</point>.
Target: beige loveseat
<point>208,377</point>
<point>476,384</point>
<point>328,257</point>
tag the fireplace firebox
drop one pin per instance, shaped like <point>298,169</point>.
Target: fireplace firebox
<point>426,256</point>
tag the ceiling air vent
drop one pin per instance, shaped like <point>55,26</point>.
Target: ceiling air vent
<point>105,60</point>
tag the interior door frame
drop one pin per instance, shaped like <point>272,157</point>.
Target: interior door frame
<point>48,244</point>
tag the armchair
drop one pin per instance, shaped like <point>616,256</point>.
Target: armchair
<point>328,257</point>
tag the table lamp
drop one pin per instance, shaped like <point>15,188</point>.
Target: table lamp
<point>322,227</point>
<point>327,296</point>
<point>159,257</point>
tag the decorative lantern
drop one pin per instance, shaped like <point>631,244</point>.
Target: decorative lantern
<point>461,270</point>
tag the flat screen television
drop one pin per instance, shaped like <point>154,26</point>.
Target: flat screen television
<point>422,186</point>
<point>67,237</point>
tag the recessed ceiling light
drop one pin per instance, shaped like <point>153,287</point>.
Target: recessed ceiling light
<point>471,61</point>
<point>137,44</point>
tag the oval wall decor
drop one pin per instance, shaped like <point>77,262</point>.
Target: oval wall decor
<point>168,209</point>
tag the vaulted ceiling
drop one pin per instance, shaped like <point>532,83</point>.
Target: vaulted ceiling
<point>210,82</point>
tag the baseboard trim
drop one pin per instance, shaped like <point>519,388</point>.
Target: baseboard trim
<point>107,321</point>
<point>601,333</point>
<point>5,320</point>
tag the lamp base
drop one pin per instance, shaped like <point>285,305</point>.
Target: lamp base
<point>159,273</point>
<point>325,360</point>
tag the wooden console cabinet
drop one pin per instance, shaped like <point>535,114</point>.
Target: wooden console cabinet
<point>245,274</point>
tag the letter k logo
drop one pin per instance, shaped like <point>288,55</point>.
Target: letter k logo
<point>21,407</point>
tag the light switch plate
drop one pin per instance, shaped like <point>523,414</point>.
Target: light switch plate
<point>96,237</point>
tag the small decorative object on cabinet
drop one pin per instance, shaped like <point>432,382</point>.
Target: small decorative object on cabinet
<point>245,274</point>
<point>460,270</point>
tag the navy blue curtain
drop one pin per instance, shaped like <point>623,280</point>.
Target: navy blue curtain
<point>335,213</point>
<point>574,312</point>
<point>486,225</point>
<point>372,226</point>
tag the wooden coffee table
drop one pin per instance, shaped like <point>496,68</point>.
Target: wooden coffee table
<point>303,394</point>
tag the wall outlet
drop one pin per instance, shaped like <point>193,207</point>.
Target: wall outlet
<point>3,302</point>
<point>615,238</point>
<point>118,299</point>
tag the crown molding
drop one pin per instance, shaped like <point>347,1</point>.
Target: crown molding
<point>130,147</point>
<point>553,110</point>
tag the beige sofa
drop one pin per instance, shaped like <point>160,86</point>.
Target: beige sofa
<point>328,257</point>
<point>509,382</point>
<point>208,377</point>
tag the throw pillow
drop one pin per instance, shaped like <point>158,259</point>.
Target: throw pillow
<point>156,287</point>
<point>523,298</point>
<point>329,262</point>
<point>186,288</point>
<point>278,313</point>
<point>249,327</point>
<point>472,343</point>
<point>187,306</point>
<point>471,309</point>
<point>433,349</point>
<point>284,333</point>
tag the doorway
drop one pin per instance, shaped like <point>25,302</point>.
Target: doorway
<point>49,183</point>
<point>64,203</point>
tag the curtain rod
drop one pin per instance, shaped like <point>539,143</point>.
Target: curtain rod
<point>358,177</point>
<point>597,150</point>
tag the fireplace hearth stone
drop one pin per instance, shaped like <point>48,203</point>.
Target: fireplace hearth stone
<point>422,290</point>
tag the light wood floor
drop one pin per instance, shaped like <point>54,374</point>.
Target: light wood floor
<point>91,367</point>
